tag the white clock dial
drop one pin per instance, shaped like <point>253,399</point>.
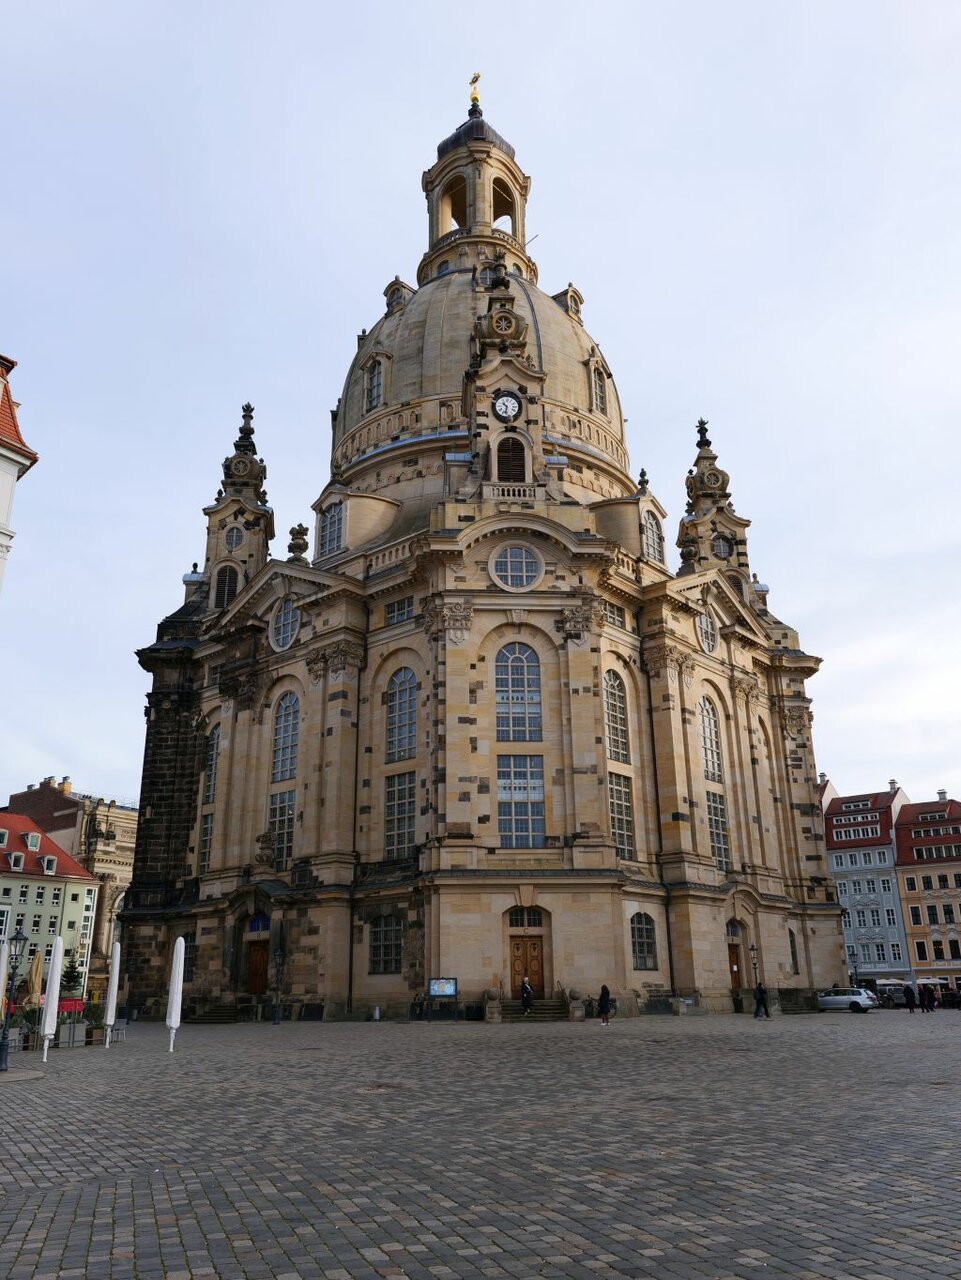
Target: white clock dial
<point>507,407</point>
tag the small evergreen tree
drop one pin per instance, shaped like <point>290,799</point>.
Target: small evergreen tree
<point>72,976</point>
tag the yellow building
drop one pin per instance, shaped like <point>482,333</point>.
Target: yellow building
<point>483,729</point>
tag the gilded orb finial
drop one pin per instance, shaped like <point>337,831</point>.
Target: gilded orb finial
<point>474,91</point>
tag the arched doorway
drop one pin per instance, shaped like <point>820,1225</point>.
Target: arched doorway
<point>526,930</point>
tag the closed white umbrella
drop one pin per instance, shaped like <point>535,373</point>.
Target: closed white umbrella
<point>51,1008</point>
<point>4,971</point>
<point>114,982</point>
<point>176,990</point>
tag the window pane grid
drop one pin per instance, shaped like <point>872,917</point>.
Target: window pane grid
<point>386,944</point>
<point>400,811</point>
<point>286,733</point>
<point>331,529</point>
<point>206,843</point>
<point>643,944</point>
<point>615,715</point>
<point>521,815</point>
<point>710,740</point>
<point>401,715</point>
<point>286,624</point>
<point>653,538</point>
<point>210,768</point>
<point>517,683</point>
<point>717,827</point>
<point>517,566</point>
<point>622,815</point>
<point>280,820</point>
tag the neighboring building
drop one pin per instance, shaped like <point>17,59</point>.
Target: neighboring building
<point>861,851</point>
<point>929,872</point>
<point>16,458</point>
<point>485,730</point>
<point>101,835</point>
<point>45,892</point>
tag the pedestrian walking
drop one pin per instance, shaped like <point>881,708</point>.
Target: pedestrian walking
<point>604,1005</point>
<point>527,995</point>
<point>910,1000</point>
<point>760,1000</point>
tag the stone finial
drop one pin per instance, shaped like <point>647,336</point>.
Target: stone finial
<point>702,440</point>
<point>642,482</point>
<point>298,544</point>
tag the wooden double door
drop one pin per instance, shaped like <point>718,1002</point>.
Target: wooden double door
<point>527,956</point>
<point>258,959</point>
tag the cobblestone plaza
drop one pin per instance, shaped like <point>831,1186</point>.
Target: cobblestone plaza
<point>670,1147</point>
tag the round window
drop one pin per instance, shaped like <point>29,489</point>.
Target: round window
<point>234,538</point>
<point>707,632</point>
<point>516,567</point>
<point>286,624</point>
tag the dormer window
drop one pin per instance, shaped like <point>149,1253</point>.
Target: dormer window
<point>331,537</point>
<point>49,865</point>
<point>375,384</point>
<point>16,861</point>
<point>3,839</point>
<point>33,841</point>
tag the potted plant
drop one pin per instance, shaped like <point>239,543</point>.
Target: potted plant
<point>93,1013</point>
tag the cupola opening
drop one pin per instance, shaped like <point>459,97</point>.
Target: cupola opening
<point>503,208</point>
<point>453,205</point>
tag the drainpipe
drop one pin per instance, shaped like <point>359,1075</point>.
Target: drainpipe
<point>350,937</point>
<point>353,841</point>
<point>657,808</point>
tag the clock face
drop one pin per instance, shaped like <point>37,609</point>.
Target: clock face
<point>507,406</point>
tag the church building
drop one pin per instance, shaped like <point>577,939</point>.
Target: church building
<point>478,727</point>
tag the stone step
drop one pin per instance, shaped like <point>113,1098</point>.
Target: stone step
<point>541,1011</point>
<point>219,1013</point>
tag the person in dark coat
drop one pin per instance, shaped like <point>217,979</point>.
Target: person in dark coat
<point>760,1000</point>
<point>604,1005</point>
<point>909,997</point>
<point>527,995</point>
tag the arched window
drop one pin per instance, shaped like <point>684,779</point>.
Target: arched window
<point>331,529</point>
<point>401,715</point>
<point>653,538</point>
<point>386,944</point>
<point>286,733</point>
<point>375,384</point>
<point>517,685</point>
<point>453,205</point>
<point>210,765</point>
<point>615,718</point>
<point>511,461</point>
<point>226,586</point>
<point>600,389</point>
<point>795,961</point>
<point>710,740</point>
<point>503,207</point>
<point>643,941</point>
<point>285,625</point>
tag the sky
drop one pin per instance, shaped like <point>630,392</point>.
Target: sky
<point>201,205</point>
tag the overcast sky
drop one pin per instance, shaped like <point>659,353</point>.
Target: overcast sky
<point>201,204</point>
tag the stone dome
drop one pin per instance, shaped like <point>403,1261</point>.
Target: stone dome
<point>425,345</point>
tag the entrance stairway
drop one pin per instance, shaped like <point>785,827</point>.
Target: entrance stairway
<point>542,1011</point>
<point>216,1014</point>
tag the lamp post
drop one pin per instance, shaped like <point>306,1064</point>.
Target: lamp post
<point>18,944</point>
<point>753,950</point>
<point>278,968</point>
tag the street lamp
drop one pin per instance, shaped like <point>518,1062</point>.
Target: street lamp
<point>753,950</point>
<point>278,966</point>
<point>18,944</point>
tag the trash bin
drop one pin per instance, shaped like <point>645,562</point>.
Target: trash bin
<point>377,1013</point>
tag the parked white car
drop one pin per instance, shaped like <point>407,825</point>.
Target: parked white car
<point>857,999</point>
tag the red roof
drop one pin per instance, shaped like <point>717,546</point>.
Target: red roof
<point>875,799</point>
<point>912,812</point>
<point>9,428</point>
<point>18,828</point>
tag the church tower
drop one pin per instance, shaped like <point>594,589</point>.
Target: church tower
<point>479,728</point>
